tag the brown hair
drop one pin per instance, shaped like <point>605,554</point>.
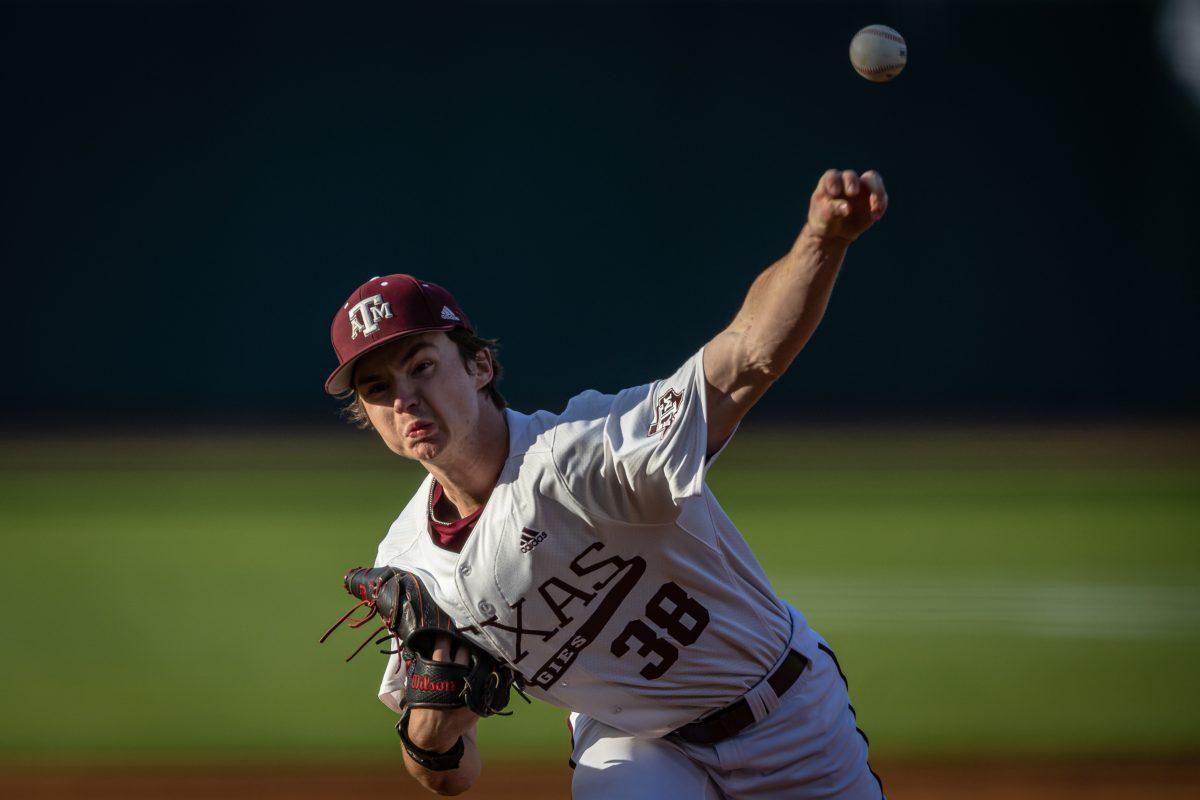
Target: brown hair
<point>468,345</point>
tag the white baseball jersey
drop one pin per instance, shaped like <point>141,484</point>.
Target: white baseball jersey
<point>602,567</point>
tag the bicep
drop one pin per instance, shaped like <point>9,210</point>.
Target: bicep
<point>732,385</point>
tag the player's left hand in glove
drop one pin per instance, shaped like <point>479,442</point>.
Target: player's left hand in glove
<point>409,615</point>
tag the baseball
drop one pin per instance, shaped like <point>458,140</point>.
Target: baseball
<point>878,53</point>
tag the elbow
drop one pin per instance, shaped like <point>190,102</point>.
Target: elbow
<point>763,366</point>
<point>761,357</point>
<point>765,359</point>
<point>770,371</point>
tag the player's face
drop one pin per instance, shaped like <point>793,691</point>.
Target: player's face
<point>421,398</point>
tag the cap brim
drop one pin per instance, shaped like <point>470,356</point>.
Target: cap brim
<point>339,380</point>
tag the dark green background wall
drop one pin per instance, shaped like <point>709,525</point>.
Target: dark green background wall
<point>191,190</point>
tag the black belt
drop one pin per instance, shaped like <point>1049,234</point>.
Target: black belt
<point>737,716</point>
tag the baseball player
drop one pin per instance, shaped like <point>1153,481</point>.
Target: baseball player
<point>582,557</point>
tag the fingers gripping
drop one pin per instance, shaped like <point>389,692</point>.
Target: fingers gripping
<point>838,188</point>
<point>830,183</point>
<point>448,650</point>
<point>850,183</point>
<point>441,649</point>
<point>845,203</point>
<point>872,181</point>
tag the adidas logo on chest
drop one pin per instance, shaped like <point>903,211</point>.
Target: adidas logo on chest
<point>531,539</point>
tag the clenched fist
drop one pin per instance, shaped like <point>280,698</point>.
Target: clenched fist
<point>845,204</point>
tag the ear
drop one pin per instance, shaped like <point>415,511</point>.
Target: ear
<point>483,370</point>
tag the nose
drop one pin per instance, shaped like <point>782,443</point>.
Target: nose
<point>404,400</point>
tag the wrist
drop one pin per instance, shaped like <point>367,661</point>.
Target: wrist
<point>813,238</point>
<point>434,755</point>
<point>429,730</point>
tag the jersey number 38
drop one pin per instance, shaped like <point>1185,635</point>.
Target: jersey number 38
<point>678,615</point>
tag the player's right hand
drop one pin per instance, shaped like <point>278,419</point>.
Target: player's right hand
<point>845,204</point>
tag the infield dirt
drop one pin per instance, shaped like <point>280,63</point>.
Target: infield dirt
<point>979,779</point>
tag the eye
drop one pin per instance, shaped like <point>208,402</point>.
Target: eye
<point>375,389</point>
<point>423,366</point>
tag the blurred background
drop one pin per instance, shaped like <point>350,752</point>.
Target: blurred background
<point>981,479</point>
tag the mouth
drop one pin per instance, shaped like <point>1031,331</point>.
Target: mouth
<point>419,430</point>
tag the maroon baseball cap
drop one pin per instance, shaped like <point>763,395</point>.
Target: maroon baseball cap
<point>382,310</point>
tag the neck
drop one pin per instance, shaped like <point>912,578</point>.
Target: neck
<point>468,480</point>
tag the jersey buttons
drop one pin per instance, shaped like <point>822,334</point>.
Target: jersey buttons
<point>486,607</point>
<point>464,570</point>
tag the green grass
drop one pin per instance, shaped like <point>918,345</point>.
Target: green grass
<point>1016,591</point>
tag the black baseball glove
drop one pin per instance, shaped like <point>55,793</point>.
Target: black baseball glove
<point>414,620</point>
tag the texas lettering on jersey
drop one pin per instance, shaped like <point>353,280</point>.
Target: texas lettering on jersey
<point>671,610</point>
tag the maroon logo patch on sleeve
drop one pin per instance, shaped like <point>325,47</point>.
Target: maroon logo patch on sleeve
<point>665,412</point>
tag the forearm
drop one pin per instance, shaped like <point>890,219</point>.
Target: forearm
<point>786,302</point>
<point>451,781</point>
<point>438,731</point>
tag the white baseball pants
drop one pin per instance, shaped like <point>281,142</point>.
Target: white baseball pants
<point>807,747</point>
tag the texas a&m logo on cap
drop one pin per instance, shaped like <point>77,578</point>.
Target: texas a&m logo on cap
<point>665,412</point>
<point>382,310</point>
<point>365,315</point>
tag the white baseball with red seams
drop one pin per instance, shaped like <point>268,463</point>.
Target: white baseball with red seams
<point>878,53</point>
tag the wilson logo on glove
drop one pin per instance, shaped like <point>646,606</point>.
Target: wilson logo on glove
<point>412,620</point>
<point>424,684</point>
